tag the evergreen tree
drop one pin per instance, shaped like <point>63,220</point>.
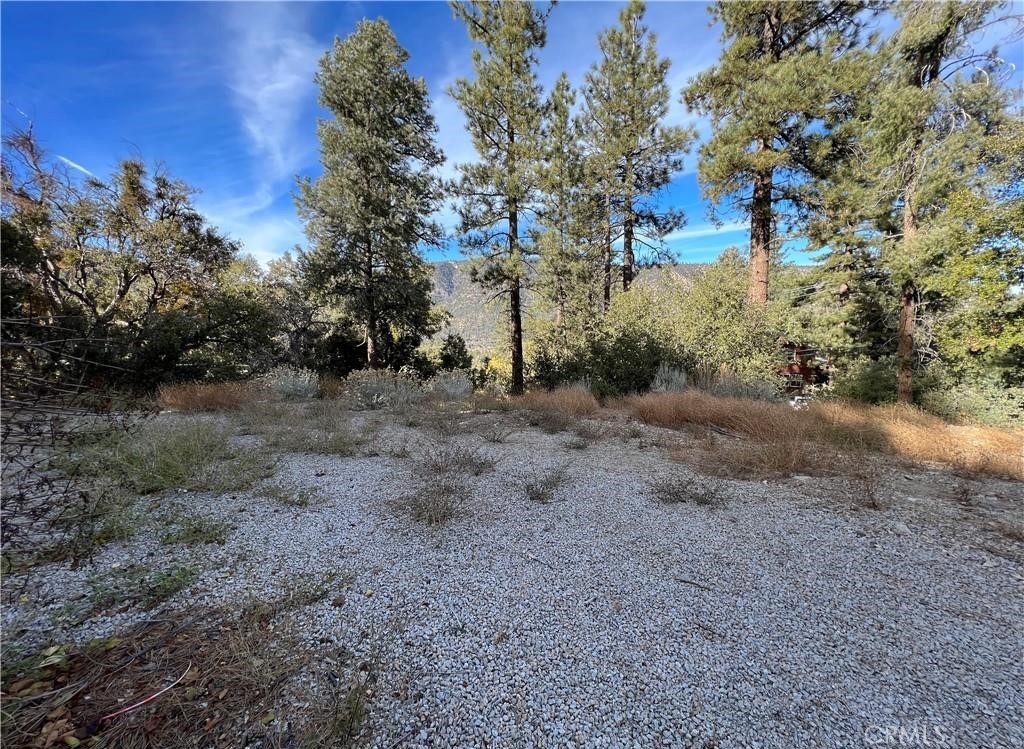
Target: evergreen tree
<point>781,75</point>
<point>503,112</point>
<point>567,245</point>
<point>634,154</point>
<point>925,140</point>
<point>369,211</point>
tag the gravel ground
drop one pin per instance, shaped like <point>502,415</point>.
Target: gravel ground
<point>785,618</point>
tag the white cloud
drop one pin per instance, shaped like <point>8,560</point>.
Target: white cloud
<point>706,230</point>
<point>273,61</point>
<point>75,165</point>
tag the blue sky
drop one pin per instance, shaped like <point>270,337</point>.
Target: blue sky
<point>222,94</point>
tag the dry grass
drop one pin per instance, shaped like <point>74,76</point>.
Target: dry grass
<point>208,396</point>
<point>572,400</point>
<point>901,431</point>
<point>541,488</point>
<point>226,667</point>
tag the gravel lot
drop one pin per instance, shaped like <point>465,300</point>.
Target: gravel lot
<point>786,617</point>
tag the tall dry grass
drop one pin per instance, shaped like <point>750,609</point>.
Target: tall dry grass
<point>208,396</point>
<point>569,400</point>
<point>902,431</point>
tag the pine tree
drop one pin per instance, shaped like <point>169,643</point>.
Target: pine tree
<point>926,139</point>
<point>369,211</point>
<point>634,154</point>
<point>499,192</point>
<point>781,74</point>
<point>568,247</point>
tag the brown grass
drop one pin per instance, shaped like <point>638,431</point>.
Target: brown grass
<point>208,396</point>
<point>231,666</point>
<point>573,400</point>
<point>902,431</point>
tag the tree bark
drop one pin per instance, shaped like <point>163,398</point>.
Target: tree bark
<point>372,359</point>
<point>761,200</point>
<point>907,308</point>
<point>760,237</point>
<point>515,328</point>
<point>627,247</point>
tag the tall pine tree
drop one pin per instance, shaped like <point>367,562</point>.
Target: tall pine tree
<point>924,141</point>
<point>781,72</point>
<point>498,194</point>
<point>626,98</point>
<point>369,211</point>
<point>567,242</point>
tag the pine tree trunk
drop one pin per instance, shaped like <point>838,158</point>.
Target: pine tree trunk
<point>627,247</point>
<point>905,343</point>
<point>760,238</point>
<point>907,309</point>
<point>371,313</point>
<point>515,328</point>
<point>761,200</point>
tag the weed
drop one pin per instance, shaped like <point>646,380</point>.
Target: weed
<point>192,455</point>
<point>139,585</point>
<point>866,484</point>
<point>450,386</point>
<point>542,488</point>
<point>302,496</point>
<point>453,459</point>
<point>496,432</point>
<point>196,529</point>
<point>687,489</point>
<point>436,502</point>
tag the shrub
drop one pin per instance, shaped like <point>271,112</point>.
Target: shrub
<point>668,379</point>
<point>381,388</point>
<point>207,396</point>
<point>291,383</point>
<point>450,386</point>
<point>568,400</point>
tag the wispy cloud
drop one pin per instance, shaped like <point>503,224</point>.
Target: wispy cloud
<point>274,59</point>
<point>75,165</point>
<point>706,230</point>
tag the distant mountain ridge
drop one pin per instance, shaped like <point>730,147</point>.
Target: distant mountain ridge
<point>479,317</point>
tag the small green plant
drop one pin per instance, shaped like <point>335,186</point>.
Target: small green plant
<point>697,490</point>
<point>542,488</point>
<point>139,585</point>
<point>196,529</point>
